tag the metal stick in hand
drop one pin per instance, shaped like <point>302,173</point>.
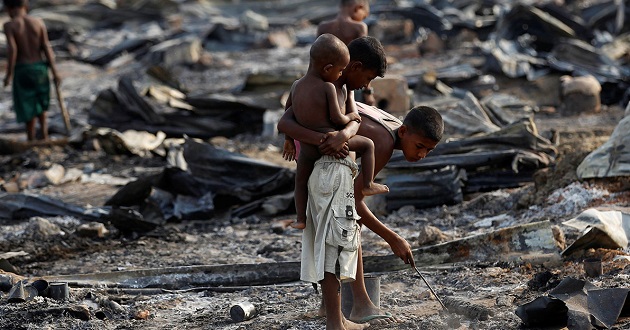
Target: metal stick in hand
<point>430,288</point>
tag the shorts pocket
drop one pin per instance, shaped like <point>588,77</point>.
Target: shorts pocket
<point>344,230</point>
<point>328,179</point>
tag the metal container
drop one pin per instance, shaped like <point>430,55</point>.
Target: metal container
<point>242,311</point>
<point>17,293</point>
<point>41,286</point>
<point>373,287</point>
<point>59,291</point>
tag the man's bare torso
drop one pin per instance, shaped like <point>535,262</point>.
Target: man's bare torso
<point>26,32</point>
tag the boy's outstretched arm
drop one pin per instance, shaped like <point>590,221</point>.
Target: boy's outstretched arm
<point>399,245</point>
<point>11,54</point>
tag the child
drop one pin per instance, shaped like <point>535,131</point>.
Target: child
<point>315,100</point>
<point>27,40</point>
<point>331,240</point>
<point>416,136</point>
<point>347,26</point>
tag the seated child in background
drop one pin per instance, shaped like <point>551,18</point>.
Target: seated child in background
<point>319,104</point>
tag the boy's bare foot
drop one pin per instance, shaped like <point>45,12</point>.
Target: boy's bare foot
<point>374,189</point>
<point>374,316</point>
<point>299,224</point>
<point>349,325</point>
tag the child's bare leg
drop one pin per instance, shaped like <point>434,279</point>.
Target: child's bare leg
<point>332,300</point>
<point>305,164</point>
<point>302,173</point>
<point>43,123</point>
<point>365,147</point>
<point>30,130</point>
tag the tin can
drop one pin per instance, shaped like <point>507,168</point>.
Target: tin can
<point>242,311</point>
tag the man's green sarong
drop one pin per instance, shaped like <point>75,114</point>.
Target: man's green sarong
<point>31,90</point>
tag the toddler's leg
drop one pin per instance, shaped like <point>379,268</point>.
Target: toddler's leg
<point>302,173</point>
<point>365,147</point>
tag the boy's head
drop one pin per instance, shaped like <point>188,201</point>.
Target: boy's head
<point>329,56</point>
<point>367,61</point>
<point>358,10</point>
<point>10,4</point>
<point>421,131</point>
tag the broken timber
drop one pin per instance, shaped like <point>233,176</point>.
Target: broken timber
<point>189,276</point>
<point>8,147</point>
<point>501,245</point>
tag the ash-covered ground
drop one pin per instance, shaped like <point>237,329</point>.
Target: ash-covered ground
<point>52,246</point>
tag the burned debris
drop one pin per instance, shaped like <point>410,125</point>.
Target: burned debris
<point>170,190</point>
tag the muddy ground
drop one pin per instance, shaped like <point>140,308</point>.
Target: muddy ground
<point>556,196</point>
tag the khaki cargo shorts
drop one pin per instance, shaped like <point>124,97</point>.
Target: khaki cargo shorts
<point>331,239</point>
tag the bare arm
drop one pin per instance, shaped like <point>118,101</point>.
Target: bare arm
<point>288,125</point>
<point>11,54</point>
<point>383,149</point>
<point>334,110</point>
<point>289,151</point>
<point>399,245</point>
<point>47,49</point>
<point>338,141</point>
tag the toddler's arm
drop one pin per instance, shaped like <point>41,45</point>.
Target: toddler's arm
<point>334,110</point>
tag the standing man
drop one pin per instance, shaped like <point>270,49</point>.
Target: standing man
<point>28,45</point>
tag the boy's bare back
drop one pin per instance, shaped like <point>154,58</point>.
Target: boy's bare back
<point>343,28</point>
<point>28,34</point>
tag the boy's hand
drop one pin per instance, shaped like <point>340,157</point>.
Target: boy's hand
<point>334,144</point>
<point>354,116</point>
<point>402,249</point>
<point>7,81</point>
<point>57,80</point>
<point>289,151</point>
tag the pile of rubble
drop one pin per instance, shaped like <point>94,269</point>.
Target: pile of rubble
<point>168,202</point>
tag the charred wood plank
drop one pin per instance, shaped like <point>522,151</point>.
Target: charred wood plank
<point>190,276</point>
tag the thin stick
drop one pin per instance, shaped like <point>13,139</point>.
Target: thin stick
<point>64,111</point>
<point>430,288</point>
